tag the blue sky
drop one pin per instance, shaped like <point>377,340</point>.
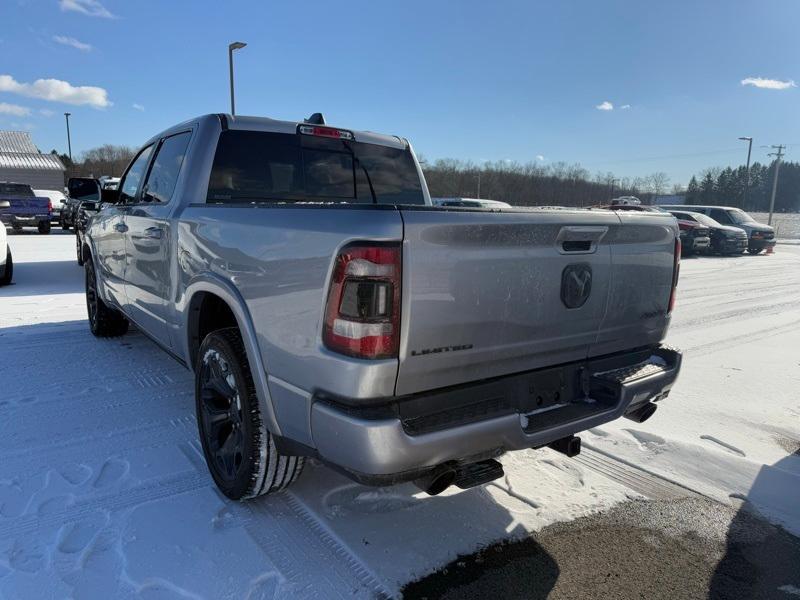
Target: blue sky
<point>472,80</point>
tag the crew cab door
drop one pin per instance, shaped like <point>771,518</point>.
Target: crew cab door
<point>147,275</point>
<point>108,230</point>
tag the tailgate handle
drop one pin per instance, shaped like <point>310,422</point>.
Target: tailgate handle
<point>580,239</point>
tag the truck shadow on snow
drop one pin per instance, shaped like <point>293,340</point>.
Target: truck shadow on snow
<point>45,278</point>
<point>762,560</point>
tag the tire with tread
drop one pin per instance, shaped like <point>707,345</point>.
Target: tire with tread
<point>755,250</point>
<point>44,227</point>
<point>104,321</point>
<point>8,271</point>
<point>262,469</point>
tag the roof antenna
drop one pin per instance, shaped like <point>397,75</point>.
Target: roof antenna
<point>316,119</point>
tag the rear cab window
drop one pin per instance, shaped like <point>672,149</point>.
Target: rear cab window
<point>16,189</point>
<point>265,167</point>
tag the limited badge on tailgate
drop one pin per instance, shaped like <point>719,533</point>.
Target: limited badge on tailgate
<point>576,284</point>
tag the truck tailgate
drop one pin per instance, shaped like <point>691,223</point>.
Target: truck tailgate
<point>25,207</point>
<point>482,292</point>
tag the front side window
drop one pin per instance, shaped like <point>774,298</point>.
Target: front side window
<point>133,178</point>
<point>166,167</point>
<point>721,216</point>
<point>254,166</point>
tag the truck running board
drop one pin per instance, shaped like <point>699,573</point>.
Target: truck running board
<point>478,473</point>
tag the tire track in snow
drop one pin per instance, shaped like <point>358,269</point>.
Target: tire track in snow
<point>640,480</point>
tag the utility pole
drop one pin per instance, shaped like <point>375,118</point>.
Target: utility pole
<point>613,181</point>
<point>479,184</point>
<point>69,141</point>
<point>749,141</point>
<point>778,155</point>
<point>231,47</point>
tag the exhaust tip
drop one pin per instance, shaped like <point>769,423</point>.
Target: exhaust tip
<point>436,483</point>
<point>641,414</point>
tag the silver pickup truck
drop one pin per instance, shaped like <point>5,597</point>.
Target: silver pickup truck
<point>328,310</point>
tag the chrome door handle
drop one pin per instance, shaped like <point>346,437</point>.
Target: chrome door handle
<point>120,227</point>
<point>153,232</point>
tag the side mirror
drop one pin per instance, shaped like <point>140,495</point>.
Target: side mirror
<point>5,204</point>
<point>83,188</point>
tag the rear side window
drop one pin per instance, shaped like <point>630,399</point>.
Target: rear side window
<point>253,166</point>
<point>16,189</point>
<point>166,167</point>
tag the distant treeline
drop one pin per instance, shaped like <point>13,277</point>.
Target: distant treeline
<point>535,183</point>
<point>726,186</point>
<point>548,184</point>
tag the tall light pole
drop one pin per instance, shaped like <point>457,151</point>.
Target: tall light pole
<point>69,141</point>
<point>749,141</point>
<point>778,155</point>
<point>231,48</point>
<point>479,184</point>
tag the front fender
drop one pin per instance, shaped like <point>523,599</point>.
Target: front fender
<point>215,284</point>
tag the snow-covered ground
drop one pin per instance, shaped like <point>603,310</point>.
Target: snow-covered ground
<point>103,490</point>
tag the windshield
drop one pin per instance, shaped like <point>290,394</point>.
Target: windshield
<point>705,220</point>
<point>739,216</point>
<point>253,166</point>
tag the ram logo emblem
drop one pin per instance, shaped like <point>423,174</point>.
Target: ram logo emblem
<point>576,285</point>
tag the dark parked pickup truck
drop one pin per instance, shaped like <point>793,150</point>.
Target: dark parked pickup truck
<point>26,209</point>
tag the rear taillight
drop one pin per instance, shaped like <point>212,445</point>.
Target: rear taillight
<point>676,267</point>
<point>362,316</point>
<point>50,207</point>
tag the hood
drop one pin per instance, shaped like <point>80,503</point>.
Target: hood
<point>730,229</point>
<point>761,227</point>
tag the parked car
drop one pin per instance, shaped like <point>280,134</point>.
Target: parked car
<point>629,207</point>
<point>25,209</point>
<point>725,239</point>
<point>759,236</point>
<point>470,203</point>
<point>328,310</point>
<point>86,210</point>
<point>626,201</point>
<point>695,237</point>
<point>79,190</point>
<point>57,201</point>
<point>6,262</point>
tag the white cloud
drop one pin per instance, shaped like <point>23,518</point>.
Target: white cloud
<point>540,157</point>
<point>14,109</point>
<point>71,41</point>
<point>137,106</point>
<point>57,90</point>
<point>92,8</point>
<point>769,84</point>
<point>46,112</point>
<point>606,105</point>
<point>625,107</point>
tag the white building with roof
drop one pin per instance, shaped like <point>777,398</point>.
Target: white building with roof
<point>21,162</point>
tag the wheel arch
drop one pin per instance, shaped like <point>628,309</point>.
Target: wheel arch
<point>210,295</point>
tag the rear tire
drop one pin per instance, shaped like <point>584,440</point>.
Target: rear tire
<point>64,226</point>
<point>239,451</point>
<point>8,272</point>
<point>44,227</point>
<point>755,250</point>
<point>104,321</point>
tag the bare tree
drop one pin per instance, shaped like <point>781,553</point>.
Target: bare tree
<point>105,160</point>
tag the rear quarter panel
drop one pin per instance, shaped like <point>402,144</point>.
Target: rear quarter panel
<point>280,259</point>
